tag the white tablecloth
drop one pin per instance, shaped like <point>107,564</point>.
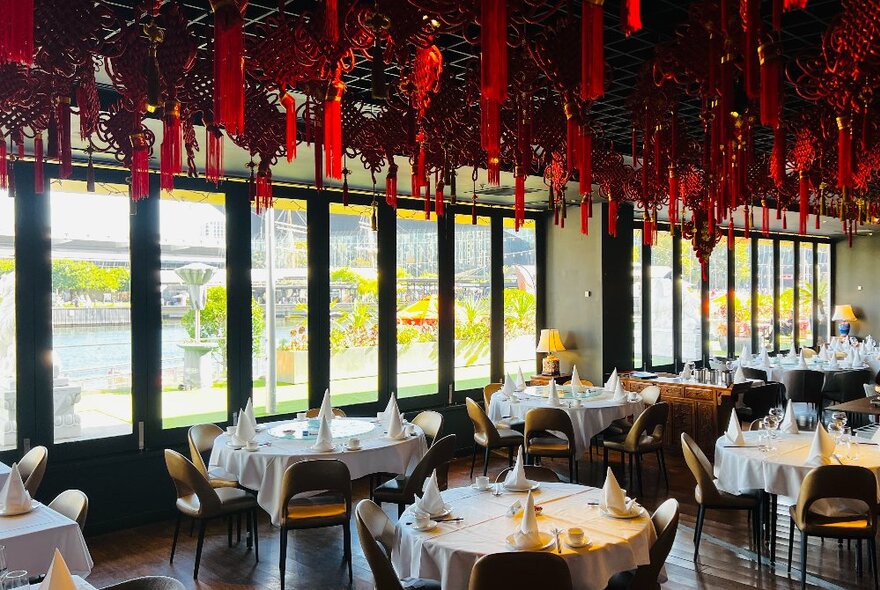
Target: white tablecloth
<point>781,472</point>
<point>78,581</point>
<point>4,473</point>
<point>448,553</point>
<point>593,416</point>
<point>262,470</point>
<point>775,372</point>
<point>31,539</point>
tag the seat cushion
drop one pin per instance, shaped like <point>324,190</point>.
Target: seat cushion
<point>419,584</point>
<point>511,423</point>
<point>391,490</point>
<point>231,500</point>
<point>220,478</point>
<point>548,446</point>
<point>510,437</point>
<point>647,443</point>
<point>620,581</point>
<point>323,509</point>
<point>836,526</point>
<point>726,500</point>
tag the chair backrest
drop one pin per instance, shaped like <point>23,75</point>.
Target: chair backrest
<point>201,438</point>
<point>651,422</point>
<point>808,352</point>
<point>431,423</point>
<point>752,373</point>
<point>316,475</point>
<point>481,422</point>
<point>650,394</point>
<point>520,571</point>
<point>541,420</point>
<point>313,412</point>
<point>534,473</point>
<point>869,389</point>
<point>377,522</point>
<point>73,504</point>
<point>384,576</point>
<point>148,583</point>
<point>700,468</point>
<point>803,385</point>
<point>438,457</point>
<point>848,383</point>
<point>490,390</point>
<point>849,482</point>
<point>32,468</point>
<point>761,398</point>
<point>189,481</point>
<point>665,520</point>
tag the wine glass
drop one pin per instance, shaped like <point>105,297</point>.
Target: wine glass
<point>15,579</point>
<point>2,560</point>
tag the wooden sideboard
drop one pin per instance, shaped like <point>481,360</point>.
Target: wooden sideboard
<point>703,411</point>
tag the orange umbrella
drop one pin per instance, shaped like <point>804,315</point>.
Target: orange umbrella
<point>423,311</point>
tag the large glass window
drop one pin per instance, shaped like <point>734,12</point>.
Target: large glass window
<point>661,300</point>
<point>519,260</point>
<point>91,313</point>
<point>786,294</point>
<point>691,305</point>
<point>823,292</point>
<point>764,275</point>
<point>742,278</point>
<point>418,291</point>
<point>473,281</point>
<point>192,241</point>
<point>805,295</point>
<point>354,310</point>
<point>637,298</point>
<point>8,373</point>
<point>279,278</point>
<point>718,327</point>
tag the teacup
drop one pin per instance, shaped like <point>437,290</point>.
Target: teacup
<point>576,402</point>
<point>251,445</point>
<point>300,415</point>
<point>230,430</point>
<point>354,443</point>
<point>482,482</point>
<point>633,396</point>
<point>575,535</point>
<point>410,429</point>
<point>421,518</point>
<point>379,416</point>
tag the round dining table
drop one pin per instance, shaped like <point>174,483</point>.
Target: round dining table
<point>781,364</point>
<point>448,552</point>
<point>597,409</point>
<point>281,444</point>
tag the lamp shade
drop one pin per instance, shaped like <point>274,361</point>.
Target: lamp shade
<point>843,313</point>
<point>550,341</point>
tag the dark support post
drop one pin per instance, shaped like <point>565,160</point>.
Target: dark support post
<point>731,303</point>
<point>496,330</point>
<point>754,300</point>
<point>795,329</point>
<point>239,348</point>
<point>677,360</point>
<point>318,233</point>
<point>387,261</point>
<point>446,306</point>
<point>776,265</point>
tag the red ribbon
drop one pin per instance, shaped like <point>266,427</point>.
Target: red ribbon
<point>229,64</point>
<point>592,50</point>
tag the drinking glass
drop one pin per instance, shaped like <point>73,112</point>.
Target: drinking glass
<point>839,417</point>
<point>835,429</point>
<point>15,579</point>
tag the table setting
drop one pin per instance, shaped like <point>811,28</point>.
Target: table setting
<point>828,360</point>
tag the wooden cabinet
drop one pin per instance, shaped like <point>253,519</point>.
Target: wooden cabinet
<point>545,379</point>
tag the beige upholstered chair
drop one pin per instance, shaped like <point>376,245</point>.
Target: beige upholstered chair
<point>148,583</point>
<point>431,423</point>
<point>201,439</point>
<point>539,442</point>
<point>507,422</point>
<point>520,571</point>
<point>488,436</point>
<point>534,473</point>
<point>73,504</point>
<point>645,436</point>
<point>313,412</point>
<point>32,468</point>
<point>665,520</point>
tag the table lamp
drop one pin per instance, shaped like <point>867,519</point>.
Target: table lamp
<point>844,315</point>
<point>550,342</point>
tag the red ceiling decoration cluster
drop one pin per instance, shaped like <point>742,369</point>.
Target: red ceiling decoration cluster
<point>524,106</point>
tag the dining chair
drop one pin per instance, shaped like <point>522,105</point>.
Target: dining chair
<point>313,412</point>
<point>644,577</point>
<point>148,583</point>
<point>376,535</point>
<point>650,396</point>
<point>507,422</point>
<point>756,374</point>
<point>32,468</point>
<point>840,482</point>
<point>201,439</point>
<point>523,570</point>
<point>540,439</point>
<point>584,383</point>
<point>402,489</point>
<point>315,493</point>
<point>808,352</point>
<point>534,473</point>
<point>431,423</point>
<point>645,436</point>
<point>490,437</point>
<point>73,504</point>
<point>201,502</point>
<point>758,400</point>
<point>843,386</point>
<point>707,495</point>
<point>804,386</point>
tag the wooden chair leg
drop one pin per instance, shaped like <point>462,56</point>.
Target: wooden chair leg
<point>859,571</point>
<point>237,527</point>
<point>282,555</point>
<point>803,560</point>
<point>662,456</point>
<point>474,460</point>
<point>249,536</point>
<point>486,462</point>
<point>638,458</point>
<point>199,549</point>
<point>176,533</point>
<point>631,461</point>
<point>698,531</point>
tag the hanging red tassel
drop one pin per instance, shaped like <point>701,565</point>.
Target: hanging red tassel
<point>331,20</point>
<point>844,153</point>
<point>804,201</point>
<point>213,154</point>
<point>592,50</point>
<point>571,137</point>
<point>391,185</point>
<point>612,218</point>
<point>673,196</point>
<point>519,201</point>
<point>428,199</point>
<point>777,156</point>
<point>4,178</point>
<point>751,24</point>
<point>90,174</point>
<point>730,236</point>
<point>784,219</point>
<point>439,205</point>
<point>263,193</point>
<point>765,218</point>
<point>493,81</point>
<point>333,129</point>
<point>140,166</point>
<point>770,84</point>
<point>585,215</point>
<point>631,16</point>
<point>65,156</point>
<point>795,4</point>
<point>38,163</point>
<point>634,147</point>
<point>17,32</point>
<point>563,213</point>
<point>585,156</point>
<point>747,217</point>
<point>170,163</point>
<point>776,18</point>
<point>345,188</point>
<point>229,64</point>
<point>474,209</point>
<point>289,104</point>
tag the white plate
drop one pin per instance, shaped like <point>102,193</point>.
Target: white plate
<point>488,488</point>
<point>352,449</point>
<point>252,450</point>
<point>583,545</point>
<point>34,504</point>
<point>632,514</point>
<point>547,540</point>
<point>432,524</point>
<point>443,513</point>
<point>533,485</point>
<point>330,450</point>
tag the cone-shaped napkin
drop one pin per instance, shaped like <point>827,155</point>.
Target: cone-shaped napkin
<point>520,380</point>
<point>527,536</point>
<point>516,477</point>
<point>789,422</point>
<point>833,364</point>
<point>14,499</point>
<point>613,497</point>
<point>823,353</point>
<point>611,384</point>
<point>507,389</point>
<point>765,359</point>
<point>802,360</point>
<point>745,356</point>
<point>431,501</point>
<point>553,398</point>
<point>734,431</point>
<point>58,577</point>
<point>822,449</point>
<point>326,406</point>
<point>324,442</point>
<point>245,431</point>
<point>575,379</point>
<point>739,375</point>
<point>619,393</point>
<point>390,410</point>
<point>395,427</point>
<point>249,413</point>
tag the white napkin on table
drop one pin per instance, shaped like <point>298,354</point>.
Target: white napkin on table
<point>823,353</point>
<point>734,431</point>
<point>527,536</point>
<point>835,344</point>
<point>58,576</point>
<point>249,413</point>
<point>619,393</point>
<point>516,477</point>
<point>324,442</point>
<point>789,422</point>
<point>739,376</point>
<point>395,427</point>
<point>553,398</point>
<point>611,384</point>
<point>575,379</point>
<point>802,360</point>
<point>833,364</point>
<point>765,359</point>
<point>507,389</point>
<point>792,353</point>
<point>745,356</point>
<point>14,498</point>
<point>613,497</point>
<point>520,380</point>
<point>326,406</point>
<point>686,373</point>
<point>822,449</point>
<point>390,410</point>
<point>431,501</point>
<point>245,431</point>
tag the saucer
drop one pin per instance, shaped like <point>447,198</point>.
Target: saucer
<point>254,450</point>
<point>546,540</point>
<point>332,449</point>
<point>447,510</point>
<point>432,524</point>
<point>348,448</point>
<point>533,485</point>
<point>488,488</point>
<point>640,510</point>
<point>582,545</point>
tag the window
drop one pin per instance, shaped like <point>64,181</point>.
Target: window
<point>764,274</point>
<point>192,242</point>
<point>473,281</point>
<point>279,278</point>
<point>354,310</point>
<point>91,312</point>
<point>805,295</point>
<point>519,260</point>
<point>742,278</point>
<point>691,305</point>
<point>637,298</point>
<point>8,372</point>
<point>823,292</point>
<point>786,294</point>
<point>418,290</point>
<point>661,300</point>
<point>718,302</point>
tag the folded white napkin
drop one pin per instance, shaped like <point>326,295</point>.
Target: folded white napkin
<point>390,410</point>
<point>765,359</point>
<point>507,389</point>
<point>324,442</point>
<point>792,354</point>
<point>520,379</point>
<point>802,360</point>
<point>739,376</point>
<point>395,427</point>
<point>613,497</point>
<point>575,379</point>
<point>835,345</point>
<point>527,536</point>
<point>734,431</point>
<point>245,431</point>
<point>249,413</point>
<point>685,372</point>
<point>834,364</point>
<point>58,577</point>
<point>553,398</point>
<point>619,393</point>
<point>14,499</point>
<point>516,477</point>
<point>611,384</point>
<point>823,353</point>
<point>431,501</point>
<point>745,355</point>
<point>822,449</point>
<point>326,406</point>
<point>789,422</point>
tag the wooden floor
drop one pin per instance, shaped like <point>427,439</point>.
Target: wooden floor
<point>315,557</point>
